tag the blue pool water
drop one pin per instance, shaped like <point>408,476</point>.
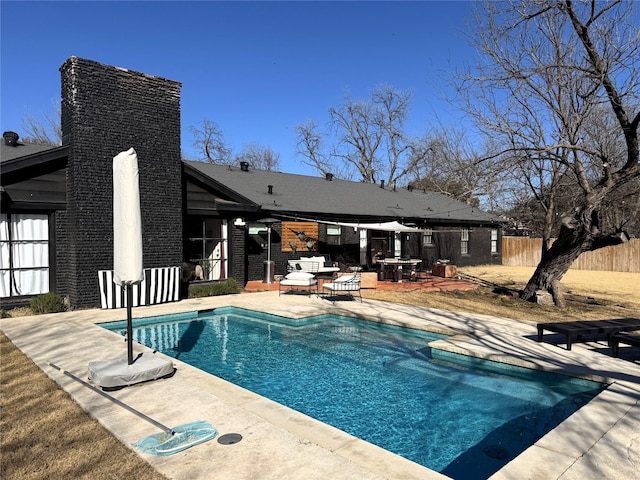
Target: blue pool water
<point>460,416</point>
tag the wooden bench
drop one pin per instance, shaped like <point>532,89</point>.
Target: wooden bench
<point>574,331</point>
<point>632,339</point>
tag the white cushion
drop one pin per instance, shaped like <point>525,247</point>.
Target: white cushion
<point>345,278</point>
<point>342,286</point>
<point>320,260</point>
<point>299,276</point>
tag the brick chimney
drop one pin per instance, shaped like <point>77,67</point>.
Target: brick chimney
<point>106,110</point>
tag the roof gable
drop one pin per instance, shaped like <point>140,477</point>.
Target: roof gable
<point>23,162</point>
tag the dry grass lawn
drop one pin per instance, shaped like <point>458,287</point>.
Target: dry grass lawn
<point>590,295</point>
<point>46,435</point>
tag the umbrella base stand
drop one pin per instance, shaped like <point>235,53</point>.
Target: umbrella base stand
<point>118,373</point>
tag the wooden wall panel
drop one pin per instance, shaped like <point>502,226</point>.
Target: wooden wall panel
<point>299,237</point>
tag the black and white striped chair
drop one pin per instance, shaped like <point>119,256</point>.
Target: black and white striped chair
<point>160,285</point>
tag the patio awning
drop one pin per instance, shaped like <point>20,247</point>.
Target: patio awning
<point>381,226</point>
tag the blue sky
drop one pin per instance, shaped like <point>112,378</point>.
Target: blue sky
<point>257,69</point>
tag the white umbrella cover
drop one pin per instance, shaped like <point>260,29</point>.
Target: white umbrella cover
<point>127,222</point>
<point>127,271</point>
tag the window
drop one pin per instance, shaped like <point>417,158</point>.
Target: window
<point>334,235</point>
<point>206,247</point>
<point>494,240</point>
<point>24,254</point>
<point>464,241</point>
<point>257,228</point>
<point>380,247</point>
<point>427,238</point>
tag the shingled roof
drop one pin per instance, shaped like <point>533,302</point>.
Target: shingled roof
<point>317,197</point>
<point>22,150</point>
<point>299,195</point>
<point>29,160</point>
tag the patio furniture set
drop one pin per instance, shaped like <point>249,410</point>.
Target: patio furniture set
<point>305,273</point>
<point>400,268</point>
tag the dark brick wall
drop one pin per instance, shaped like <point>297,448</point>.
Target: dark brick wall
<point>257,254</point>
<point>106,110</point>
<point>480,248</point>
<point>61,258</point>
<point>447,245</point>
<point>237,266</point>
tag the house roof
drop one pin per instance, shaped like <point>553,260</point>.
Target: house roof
<point>317,197</point>
<point>301,196</point>
<point>8,152</point>
<point>25,161</point>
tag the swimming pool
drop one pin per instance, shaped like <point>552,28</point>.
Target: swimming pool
<point>459,416</point>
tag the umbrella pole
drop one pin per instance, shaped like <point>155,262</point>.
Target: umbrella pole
<point>114,400</point>
<point>129,324</point>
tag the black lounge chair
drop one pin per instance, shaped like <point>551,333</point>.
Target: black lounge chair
<point>578,330</point>
<point>624,338</point>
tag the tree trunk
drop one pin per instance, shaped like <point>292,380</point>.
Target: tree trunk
<point>555,262</point>
<point>573,240</point>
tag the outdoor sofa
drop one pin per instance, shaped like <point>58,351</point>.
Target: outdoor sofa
<point>317,265</point>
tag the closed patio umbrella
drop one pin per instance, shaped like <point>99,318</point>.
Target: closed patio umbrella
<point>127,271</point>
<point>127,231</point>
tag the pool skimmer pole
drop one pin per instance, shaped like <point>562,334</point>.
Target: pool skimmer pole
<point>172,440</point>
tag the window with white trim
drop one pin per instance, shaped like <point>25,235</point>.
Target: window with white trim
<point>206,247</point>
<point>257,228</point>
<point>334,235</point>
<point>427,238</point>
<point>24,254</point>
<point>464,241</point>
<point>494,240</point>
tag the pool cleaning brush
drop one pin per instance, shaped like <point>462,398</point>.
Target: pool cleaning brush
<point>171,440</point>
<point>180,438</point>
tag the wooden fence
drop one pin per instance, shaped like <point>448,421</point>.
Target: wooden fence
<point>525,252</point>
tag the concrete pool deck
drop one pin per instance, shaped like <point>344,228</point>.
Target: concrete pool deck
<point>601,440</point>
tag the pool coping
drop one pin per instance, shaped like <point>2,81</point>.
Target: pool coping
<point>281,443</point>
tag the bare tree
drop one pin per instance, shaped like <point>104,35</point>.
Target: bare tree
<point>358,138</point>
<point>310,146</point>
<point>43,131</point>
<point>392,110</point>
<point>554,69</point>
<point>370,140</point>
<point>259,157</point>
<point>449,164</point>
<point>209,141</point>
